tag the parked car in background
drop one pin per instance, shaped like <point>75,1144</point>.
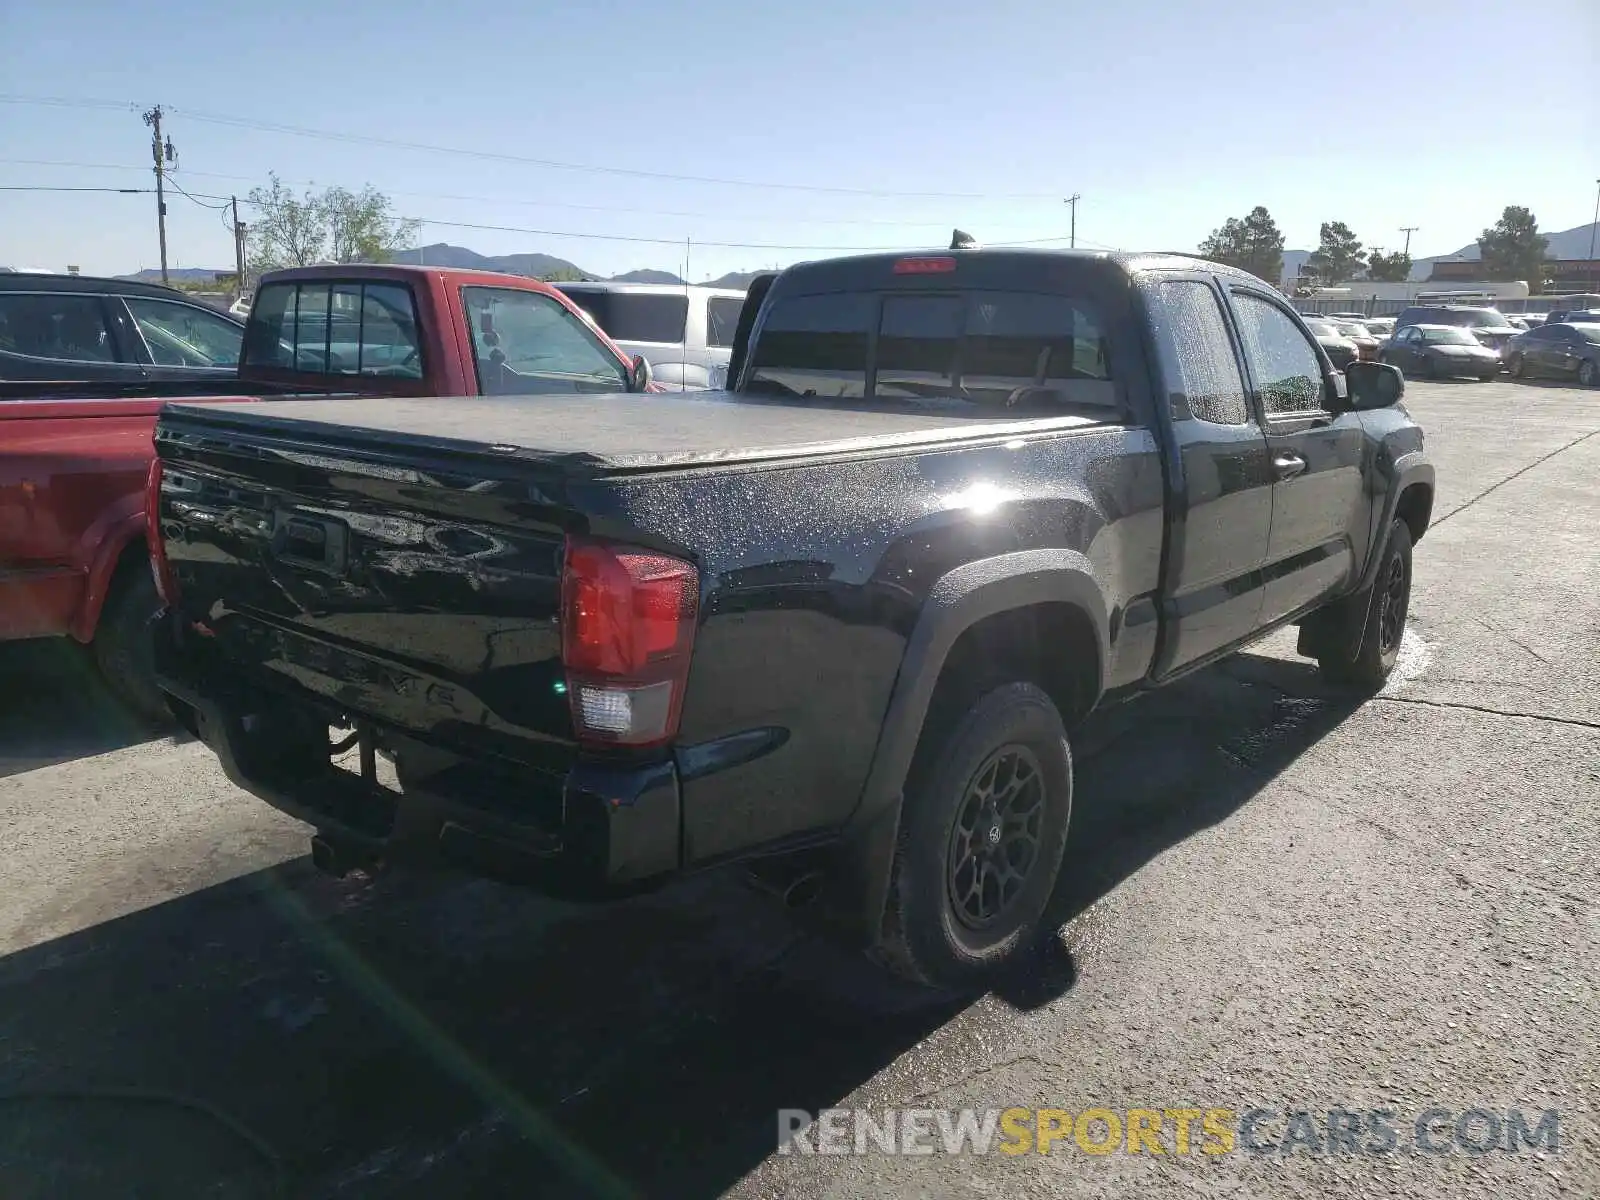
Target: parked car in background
<point>1488,325</point>
<point>1565,350</point>
<point>685,332</point>
<point>78,327</point>
<point>1439,352</point>
<point>73,468</point>
<point>1341,350</point>
<point>1367,345</point>
<point>1576,316</point>
<point>1379,327</point>
<point>240,307</point>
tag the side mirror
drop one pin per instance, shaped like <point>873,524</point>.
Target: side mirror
<point>1374,385</point>
<point>639,376</point>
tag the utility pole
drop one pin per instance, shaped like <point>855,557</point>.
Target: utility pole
<point>162,153</point>
<point>1072,201</point>
<point>1592,267</point>
<point>1408,230</point>
<point>238,249</point>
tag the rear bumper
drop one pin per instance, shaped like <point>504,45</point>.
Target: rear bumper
<point>596,831</point>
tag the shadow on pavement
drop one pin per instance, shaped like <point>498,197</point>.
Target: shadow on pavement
<point>54,707</point>
<point>448,1037</point>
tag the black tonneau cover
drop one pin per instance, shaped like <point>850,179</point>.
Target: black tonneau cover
<point>623,432</point>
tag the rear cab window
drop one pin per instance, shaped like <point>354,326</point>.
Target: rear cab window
<point>334,328</point>
<point>984,348</point>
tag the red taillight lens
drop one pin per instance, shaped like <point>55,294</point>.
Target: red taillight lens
<point>924,266</point>
<point>166,584</point>
<point>627,629</point>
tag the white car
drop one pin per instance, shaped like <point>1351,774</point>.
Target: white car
<point>685,332</point>
<point>240,307</point>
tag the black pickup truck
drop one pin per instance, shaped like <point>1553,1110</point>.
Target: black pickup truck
<point>845,614</point>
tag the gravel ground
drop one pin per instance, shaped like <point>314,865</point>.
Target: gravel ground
<point>1274,899</point>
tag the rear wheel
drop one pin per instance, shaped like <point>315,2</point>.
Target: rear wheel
<point>982,832</point>
<point>1488,376</point>
<point>1518,366</point>
<point>124,648</point>
<point>1588,374</point>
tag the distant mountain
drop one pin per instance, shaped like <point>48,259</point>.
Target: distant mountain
<point>1564,243</point>
<point>203,274</point>
<point>733,279</point>
<point>442,254</point>
<point>646,276</point>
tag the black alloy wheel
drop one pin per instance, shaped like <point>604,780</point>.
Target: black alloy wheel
<point>994,842</point>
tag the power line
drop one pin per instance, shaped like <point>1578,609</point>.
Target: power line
<point>201,203</point>
<point>521,202</point>
<point>495,156</point>
<point>33,187</point>
<point>559,233</point>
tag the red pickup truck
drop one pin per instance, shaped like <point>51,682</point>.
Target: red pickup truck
<point>73,561</point>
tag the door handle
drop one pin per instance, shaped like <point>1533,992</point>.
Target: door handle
<point>1287,466</point>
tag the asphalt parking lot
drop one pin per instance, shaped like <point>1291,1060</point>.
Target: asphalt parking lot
<point>1275,897</point>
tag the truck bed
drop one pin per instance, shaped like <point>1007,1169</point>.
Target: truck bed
<point>625,431</point>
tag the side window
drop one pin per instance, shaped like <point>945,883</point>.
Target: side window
<point>722,319</point>
<point>182,335</point>
<point>1196,353</point>
<point>1287,370</point>
<point>815,346</point>
<point>525,342</point>
<point>46,325</point>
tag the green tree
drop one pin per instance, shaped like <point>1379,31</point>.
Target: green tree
<point>334,224</point>
<point>1389,268</point>
<point>362,226</point>
<point>288,230</point>
<point>1513,248</point>
<point>1252,244</point>
<point>1339,256</point>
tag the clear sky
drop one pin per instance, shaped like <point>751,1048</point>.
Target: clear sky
<point>1167,116</point>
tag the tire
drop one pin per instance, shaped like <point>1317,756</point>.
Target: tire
<point>1518,366</point>
<point>1429,369</point>
<point>1588,373</point>
<point>123,645</point>
<point>1383,606</point>
<point>1489,378</point>
<point>950,923</point>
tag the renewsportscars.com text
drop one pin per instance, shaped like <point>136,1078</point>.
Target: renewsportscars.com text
<point>1181,1130</point>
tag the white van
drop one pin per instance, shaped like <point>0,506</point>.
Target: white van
<point>686,332</point>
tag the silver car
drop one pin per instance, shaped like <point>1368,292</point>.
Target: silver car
<point>685,332</point>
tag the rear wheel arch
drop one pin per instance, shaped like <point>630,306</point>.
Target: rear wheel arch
<point>1034,598</point>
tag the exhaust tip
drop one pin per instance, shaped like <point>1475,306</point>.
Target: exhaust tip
<point>803,890</point>
<point>329,859</point>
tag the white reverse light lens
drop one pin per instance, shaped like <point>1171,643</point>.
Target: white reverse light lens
<point>634,713</point>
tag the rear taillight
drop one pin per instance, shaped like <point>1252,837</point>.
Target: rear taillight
<point>627,629</point>
<point>166,585</point>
